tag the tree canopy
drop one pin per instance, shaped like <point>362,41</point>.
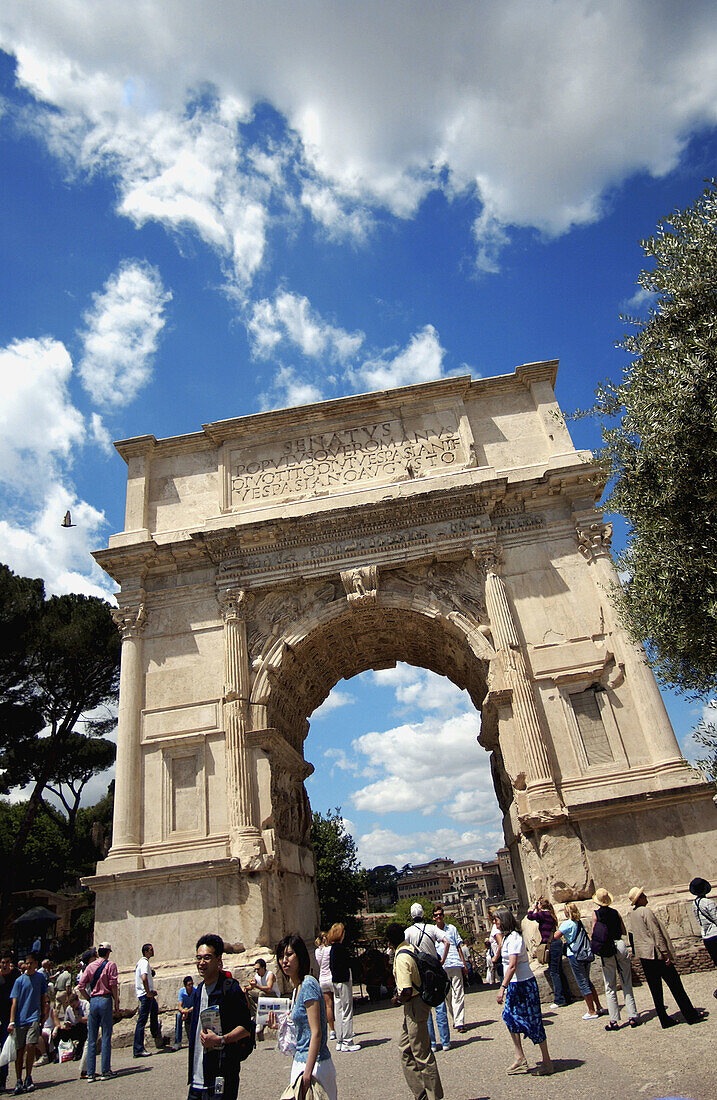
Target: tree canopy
<point>340,880</point>
<point>59,659</point>
<point>659,428</point>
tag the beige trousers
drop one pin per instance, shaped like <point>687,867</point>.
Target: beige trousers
<point>417,1058</point>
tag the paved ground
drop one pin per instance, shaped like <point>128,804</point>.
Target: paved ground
<point>591,1064</point>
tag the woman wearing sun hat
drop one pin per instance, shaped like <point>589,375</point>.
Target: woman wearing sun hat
<point>654,949</point>
<point>706,913</point>
<point>608,944</point>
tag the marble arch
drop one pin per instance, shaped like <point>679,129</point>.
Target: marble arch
<point>451,525</point>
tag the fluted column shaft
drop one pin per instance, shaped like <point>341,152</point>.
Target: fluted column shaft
<point>128,795</point>
<point>594,544</point>
<point>241,786</point>
<point>505,637</point>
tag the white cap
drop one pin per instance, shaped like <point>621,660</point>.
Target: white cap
<point>416,910</point>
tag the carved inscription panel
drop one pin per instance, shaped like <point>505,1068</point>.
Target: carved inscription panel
<point>319,462</point>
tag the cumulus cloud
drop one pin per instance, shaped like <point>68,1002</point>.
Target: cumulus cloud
<point>380,845</point>
<point>424,690</point>
<point>290,318</point>
<point>420,361</point>
<point>40,547</point>
<point>288,389</point>
<point>39,425</point>
<point>536,110</point>
<point>122,335</point>
<point>424,766</point>
<point>332,702</point>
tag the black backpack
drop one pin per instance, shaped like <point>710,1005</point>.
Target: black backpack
<point>434,980</point>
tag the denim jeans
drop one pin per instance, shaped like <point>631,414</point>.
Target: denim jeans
<point>443,1029</point>
<point>178,1028</point>
<point>561,990</point>
<point>148,1010</point>
<point>99,1018</point>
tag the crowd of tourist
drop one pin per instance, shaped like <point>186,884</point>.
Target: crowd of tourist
<point>51,1018</point>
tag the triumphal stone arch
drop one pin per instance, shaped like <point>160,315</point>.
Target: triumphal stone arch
<point>451,525</point>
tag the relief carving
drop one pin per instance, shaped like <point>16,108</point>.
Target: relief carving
<point>361,585</point>
<point>273,613</point>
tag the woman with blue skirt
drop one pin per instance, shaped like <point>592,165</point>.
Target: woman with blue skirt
<point>519,990</point>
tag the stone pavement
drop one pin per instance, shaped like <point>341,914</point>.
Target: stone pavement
<point>591,1064</point>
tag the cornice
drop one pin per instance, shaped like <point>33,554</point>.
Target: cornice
<point>308,417</point>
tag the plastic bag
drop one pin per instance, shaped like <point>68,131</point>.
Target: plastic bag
<point>7,1055</point>
<point>65,1050</point>
<point>286,1035</point>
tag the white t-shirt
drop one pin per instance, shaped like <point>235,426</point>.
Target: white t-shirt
<point>142,967</point>
<point>323,958</point>
<point>424,937</point>
<point>515,945</point>
<point>198,1067</point>
<point>455,955</point>
<point>267,980</point>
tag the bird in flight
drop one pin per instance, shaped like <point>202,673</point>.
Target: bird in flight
<point>67,521</point>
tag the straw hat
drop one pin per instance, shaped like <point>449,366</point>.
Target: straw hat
<point>602,897</point>
<point>635,893</point>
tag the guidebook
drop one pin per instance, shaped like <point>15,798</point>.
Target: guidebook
<point>265,1005</point>
<point>211,1020</point>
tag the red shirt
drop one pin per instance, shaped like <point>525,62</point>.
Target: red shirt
<point>106,982</point>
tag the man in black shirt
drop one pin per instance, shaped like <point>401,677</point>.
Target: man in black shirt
<point>216,1055</point>
<point>8,973</point>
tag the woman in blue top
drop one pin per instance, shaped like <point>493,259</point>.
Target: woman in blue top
<point>580,957</point>
<point>312,1058</point>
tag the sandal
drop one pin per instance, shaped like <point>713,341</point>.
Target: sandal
<point>518,1067</point>
<point>612,1026</point>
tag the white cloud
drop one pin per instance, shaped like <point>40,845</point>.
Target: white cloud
<point>424,766</point>
<point>380,845</point>
<point>39,425</point>
<point>333,701</point>
<point>290,318</point>
<point>420,361</point>
<point>289,389</point>
<point>122,334</point>
<point>41,547</point>
<point>424,690</point>
<point>640,301</point>
<point>536,109</point>
<point>100,435</point>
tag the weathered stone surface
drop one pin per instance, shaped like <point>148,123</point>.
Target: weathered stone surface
<point>451,525</point>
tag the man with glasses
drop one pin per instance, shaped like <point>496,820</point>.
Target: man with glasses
<point>454,965</point>
<point>216,1053</point>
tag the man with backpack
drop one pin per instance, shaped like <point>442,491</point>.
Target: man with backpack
<point>99,984</point>
<point>221,1033</point>
<point>424,937</point>
<point>417,1058</point>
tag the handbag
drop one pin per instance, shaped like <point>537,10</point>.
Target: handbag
<point>286,1032</point>
<point>542,953</point>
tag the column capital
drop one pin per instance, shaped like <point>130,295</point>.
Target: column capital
<point>233,603</point>
<point>594,540</point>
<point>489,559</point>
<point>131,619</point>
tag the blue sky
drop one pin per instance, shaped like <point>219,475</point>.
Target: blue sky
<point>255,205</point>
